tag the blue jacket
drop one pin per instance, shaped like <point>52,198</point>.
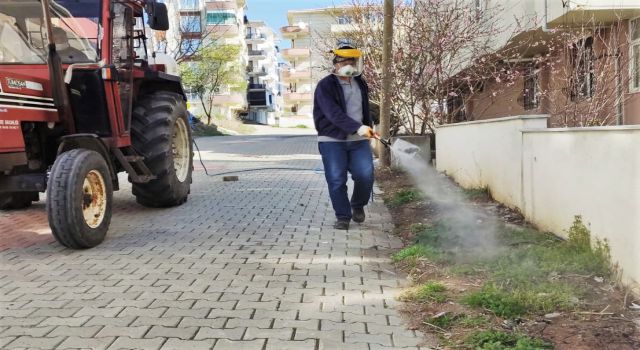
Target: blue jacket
<point>329,108</point>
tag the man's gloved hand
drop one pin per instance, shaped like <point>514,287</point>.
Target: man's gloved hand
<point>367,132</point>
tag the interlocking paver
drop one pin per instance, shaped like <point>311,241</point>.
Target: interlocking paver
<point>116,331</point>
<point>80,332</point>
<point>274,344</point>
<point>226,344</point>
<point>125,343</point>
<point>241,265</point>
<point>209,333</point>
<point>26,342</point>
<point>179,344</point>
<point>85,343</point>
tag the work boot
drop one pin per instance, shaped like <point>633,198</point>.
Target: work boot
<point>341,224</point>
<point>358,214</point>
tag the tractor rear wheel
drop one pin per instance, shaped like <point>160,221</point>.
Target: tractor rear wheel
<point>160,132</point>
<point>79,198</point>
<point>17,200</point>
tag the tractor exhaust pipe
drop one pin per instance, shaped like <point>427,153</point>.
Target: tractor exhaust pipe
<point>56,73</point>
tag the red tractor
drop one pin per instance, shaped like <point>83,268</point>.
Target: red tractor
<point>80,103</point>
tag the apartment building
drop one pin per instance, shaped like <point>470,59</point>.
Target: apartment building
<point>198,22</point>
<point>263,73</point>
<point>592,78</point>
<point>309,32</point>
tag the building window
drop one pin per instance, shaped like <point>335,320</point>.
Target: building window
<point>214,18</point>
<point>530,92</point>
<point>455,108</point>
<point>582,70</point>
<point>190,24</point>
<point>344,20</point>
<point>189,47</point>
<point>635,54</point>
<point>189,4</point>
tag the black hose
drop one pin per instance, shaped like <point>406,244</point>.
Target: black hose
<point>244,170</point>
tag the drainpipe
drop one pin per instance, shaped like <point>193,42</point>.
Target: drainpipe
<point>619,93</point>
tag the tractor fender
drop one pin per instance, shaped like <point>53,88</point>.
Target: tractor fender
<point>91,142</point>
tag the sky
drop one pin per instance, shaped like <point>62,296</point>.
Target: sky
<point>274,12</point>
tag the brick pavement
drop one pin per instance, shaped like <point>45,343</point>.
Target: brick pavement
<point>253,264</point>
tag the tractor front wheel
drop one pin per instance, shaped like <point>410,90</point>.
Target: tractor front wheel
<point>79,199</point>
<point>17,200</point>
<point>160,132</point>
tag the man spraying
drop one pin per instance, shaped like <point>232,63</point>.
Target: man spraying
<point>342,119</point>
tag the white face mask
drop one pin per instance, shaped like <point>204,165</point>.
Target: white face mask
<point>347,71</point>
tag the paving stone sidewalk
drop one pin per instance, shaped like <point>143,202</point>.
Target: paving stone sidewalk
<point>252,264</point>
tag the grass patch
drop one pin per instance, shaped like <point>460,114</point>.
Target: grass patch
<point>449,320</point>
<point>202,129</point>
<point>531,278</point>
<point>430,235</point>
<point>467,269</point>
<point>428,292</point>
<point>302,126</point>
<point>473,321</point>
<point>403,197</point>
<point>414,253</point>
<point>476,193</point>
<point>445,321</point>
<point>498,340</point>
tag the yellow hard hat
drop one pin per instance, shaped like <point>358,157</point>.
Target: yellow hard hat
<point>347,53</point>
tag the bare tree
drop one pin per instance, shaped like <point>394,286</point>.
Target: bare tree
<point>432,59</point>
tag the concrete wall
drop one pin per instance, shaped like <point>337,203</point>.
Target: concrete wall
<point>589,172</point>
<point>551,175</point>
<point>482,154</point>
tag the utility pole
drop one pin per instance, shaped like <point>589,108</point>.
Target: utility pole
<point>385,110</point>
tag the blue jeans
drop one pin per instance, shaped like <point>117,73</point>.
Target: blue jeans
<point>339,158</point>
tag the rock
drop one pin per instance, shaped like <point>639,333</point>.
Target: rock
<point>598,279</point>
<point>553,315</point>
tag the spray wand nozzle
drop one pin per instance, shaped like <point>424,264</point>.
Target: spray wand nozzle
<point>386,142</point>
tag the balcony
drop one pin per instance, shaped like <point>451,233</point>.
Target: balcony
<point>224,30</point>
<point>292,97</point>
<point>257,54</point>
<point>294,31</point>
<point>257,86</point>
<point>296,74</point>
<point>222,5</point>
<point>256,38</point>
<point>590,12</point>
<point>256,71</point>
<point>296,53</point>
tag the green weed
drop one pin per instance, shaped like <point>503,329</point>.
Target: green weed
<point>413,253</point>
<point>428,292</point>
<point>403,197</point>
<point>523,299</point>
<point>206,130</point>
<point>445,321</point>
<point>476,193</point>
<point>473,321</point>
<point>430,235</point>
<point>498,340</point>
<point>531,277</point>
<point>302,126</point>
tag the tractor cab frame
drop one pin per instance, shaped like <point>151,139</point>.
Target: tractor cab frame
<point>80,103</point>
